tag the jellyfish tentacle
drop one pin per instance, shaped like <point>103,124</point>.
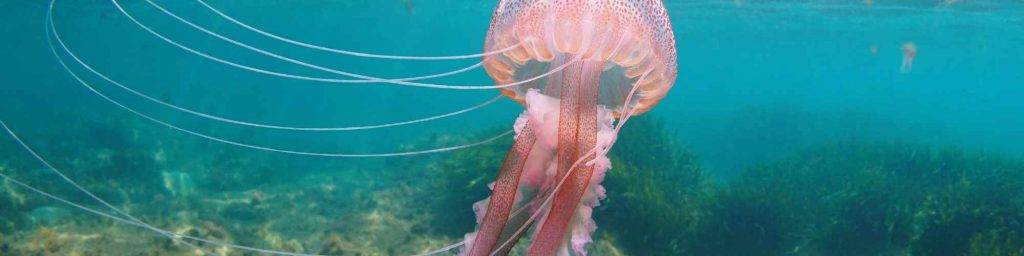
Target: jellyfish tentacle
<point>136,224</point>
<point>171,235</point>
<point>364,79</point>
<point>60,42</point>
<point>293,61</point>
<point>72,182</point>
<point>443,249</point>
<point>907,65</point>
<point>417,78</point>
<point>265,148</point>
<point>80,188</point>
<point>301,77</point>
<point>347,52</point>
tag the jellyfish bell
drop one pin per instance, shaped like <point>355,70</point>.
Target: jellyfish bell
<point>909,49</point>
<point>624,39</point>
<point>607,60</point>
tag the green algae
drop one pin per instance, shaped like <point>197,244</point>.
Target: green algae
<point>847,198</point>
<point>655,191</point>
<point>871,199</point>
<point>452,182</point>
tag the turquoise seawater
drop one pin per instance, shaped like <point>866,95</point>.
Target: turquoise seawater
<point>791,130</point>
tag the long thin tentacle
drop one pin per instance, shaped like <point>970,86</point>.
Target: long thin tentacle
<point>297,62</point>
<point>64,46</point>
<point>162,232</point>
<point>347,52</point>
<point>80,188</point>
<point>74,56</point>
<point>264,148</point>
<point>75,184</point>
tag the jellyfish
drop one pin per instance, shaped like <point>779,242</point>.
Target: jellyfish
<point>580,68</point>
<point>621,62</point>
<point>909,52</point>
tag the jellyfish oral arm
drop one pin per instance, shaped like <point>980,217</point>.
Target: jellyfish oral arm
<point>577,131</point>
<point>568,131</point>
<point>503,196</point>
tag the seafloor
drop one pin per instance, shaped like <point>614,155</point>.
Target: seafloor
<point>846,197</point>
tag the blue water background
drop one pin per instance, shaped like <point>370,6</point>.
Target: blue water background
<point>756,81</point>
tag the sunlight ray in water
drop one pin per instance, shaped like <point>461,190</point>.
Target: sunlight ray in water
<point>297,62</point>
<point>347,52</point>
<point>88,67</point>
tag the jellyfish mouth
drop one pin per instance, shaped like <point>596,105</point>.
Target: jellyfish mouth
<point>628,55</point>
